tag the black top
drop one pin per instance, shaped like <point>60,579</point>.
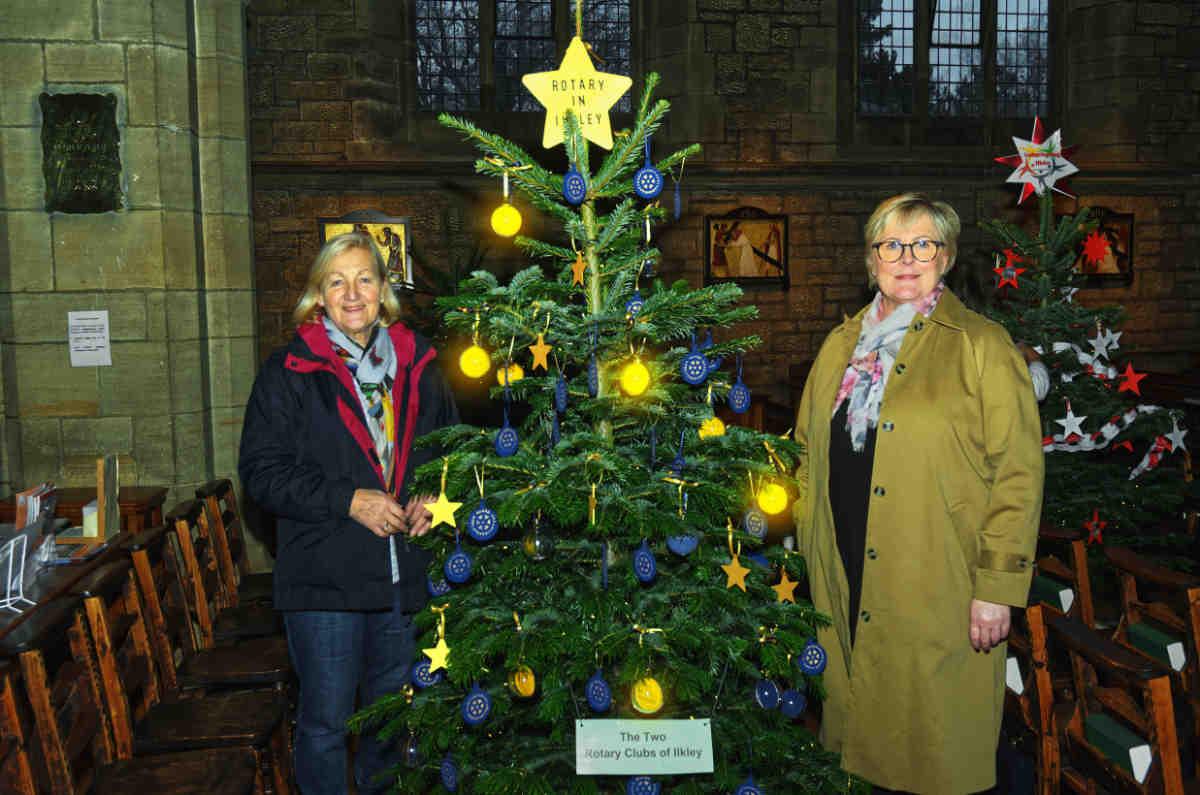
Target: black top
<point>850,499</point>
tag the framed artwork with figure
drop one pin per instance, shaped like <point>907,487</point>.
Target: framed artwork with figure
<point>1105,255</point>
<point>390,234</point>
<point>748,246</point>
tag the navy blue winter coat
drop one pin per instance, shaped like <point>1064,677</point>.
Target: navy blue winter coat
<point>306,448</point>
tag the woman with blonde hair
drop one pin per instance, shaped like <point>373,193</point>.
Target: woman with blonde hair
<point>327,447</point>
<point>923,489</point>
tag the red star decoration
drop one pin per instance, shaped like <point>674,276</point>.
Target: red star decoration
<point>1008,276</point>
<point>1011,258</point>
<point>1126,445</point>
<point>1015,161</point>
<point>1094,526</point>
<point>1132,379</point>
<point>1095,248</point>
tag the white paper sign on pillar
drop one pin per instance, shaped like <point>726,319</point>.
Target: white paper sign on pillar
<point>614,747</point>
<point>87,334</point>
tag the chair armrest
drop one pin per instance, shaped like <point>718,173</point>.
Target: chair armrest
<point>1099,650</point>
<point>1129,561</point>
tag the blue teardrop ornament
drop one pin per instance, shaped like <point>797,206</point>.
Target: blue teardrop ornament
<point>449,774</point>
<point>739,398</point>
<point>792,703</point>
<point>422,677</point>
<point>560,394</point>
<point>599,694</point>
<point>593,376</point>
<point>634,304</point>
<point>813,658</point>
<point>574,186</point>
<point>683,545</point>
<point>693,368</point>
<point>748,787</point>
<point>482,523</point>
<point>507,442</point>
<point>644,566</point>
<point>458,566</point>
<point>754,522</point>
<point>476,706</point>
<point>648,180</point>
<point>766,694</point>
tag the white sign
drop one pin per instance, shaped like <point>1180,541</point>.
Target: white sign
<point>87,333</point>
<point>643,747</point>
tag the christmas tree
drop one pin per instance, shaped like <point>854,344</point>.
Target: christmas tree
<point>1103,445</point>
<point>605,558</point>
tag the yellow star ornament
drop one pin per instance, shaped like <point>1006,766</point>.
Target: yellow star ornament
<point>578,87</point>
<point>439,655</point>
<point>578,269</point>
<point>442,511</point>
<point>735,574</point>
<point>785,589</point>
<point>540,351</point>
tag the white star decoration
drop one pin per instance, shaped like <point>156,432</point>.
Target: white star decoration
<point>1071,424</point>
<point>1099,344</point>
<point>1038,163</point>
<point>1176,437</point>
<point>1111,339</point>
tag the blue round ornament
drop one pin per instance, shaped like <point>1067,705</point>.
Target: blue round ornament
<point>599,694</point>
<point>748,787</point>
<point>739,398</point>
<point>593,376</point>
<point>436,588</point>
<point>642,785</point>
<point>644,566</point>
<point>813,658</point>
<point>683,545</point>
<point>634,304</point>
<point>422,677</point>
<point>693,368</point>
<point>560,394</point>
<point>648,180</point>
<point>754,522</point>
<point>482,523</point>
<point>766,694</point>
<point>507,442</point>
<point>792,703</point>
<point>476,706</point>
<point>574,186</point>
<point>449,773</point>
<point>458,566</point>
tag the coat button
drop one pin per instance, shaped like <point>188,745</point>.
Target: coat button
<point>900,368</point>
<point>889,426</point>
<point>865,616</point>
<point>879,491</point>
<point>872,554</point>
<point>920,324</point>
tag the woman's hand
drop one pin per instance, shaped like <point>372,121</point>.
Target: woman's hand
<point>418,515</point>
<point>990,623</point>
<point>378,512</point>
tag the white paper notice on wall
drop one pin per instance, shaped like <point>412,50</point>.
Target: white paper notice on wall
<point>87,334</point>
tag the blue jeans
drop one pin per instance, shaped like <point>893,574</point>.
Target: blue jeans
<point>336,654</point>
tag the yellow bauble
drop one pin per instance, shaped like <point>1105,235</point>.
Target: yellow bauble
<point>647,695</point>
<point>506,220</point>
<point>635,378</point>
<point>474,362</point>
<point>522,682</point>
<point>513,373</point>
<point>772,498</point>
<point>712,427</point>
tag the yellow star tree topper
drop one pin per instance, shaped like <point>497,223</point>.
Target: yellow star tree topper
<point>578,87</point>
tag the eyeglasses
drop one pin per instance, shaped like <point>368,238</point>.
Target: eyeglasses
<point>923,249</point>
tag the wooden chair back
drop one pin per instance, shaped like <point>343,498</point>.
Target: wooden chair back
<point>228,530</point>
<point>121,643</point>
<point>1026,709</point>
<point>161,587</point>
<point>62,685</point>
<point>1113,688</point>
<point>198,567</point>
<point>1168,603</point>
<point>16,734</point>
<point>1062,556</point>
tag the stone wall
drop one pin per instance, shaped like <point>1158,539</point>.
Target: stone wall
<point>764,85</point>
<point>172,266</point>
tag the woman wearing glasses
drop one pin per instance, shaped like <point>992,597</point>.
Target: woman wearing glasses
<point>923,477</point>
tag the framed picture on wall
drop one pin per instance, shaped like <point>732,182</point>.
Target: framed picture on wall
<point>391,236</point>
<point>748,246</point>
<point>1105,255</point>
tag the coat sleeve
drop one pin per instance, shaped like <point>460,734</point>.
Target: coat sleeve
<point>1013,451</point>
<point>269,462</point>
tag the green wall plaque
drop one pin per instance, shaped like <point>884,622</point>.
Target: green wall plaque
<point>80,152</point>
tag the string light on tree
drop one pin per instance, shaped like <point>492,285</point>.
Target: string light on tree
<point>475,361</point>
<point>506,219</point>
<point>635,378</point>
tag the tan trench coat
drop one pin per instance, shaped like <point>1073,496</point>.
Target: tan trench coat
<point>956,496</point>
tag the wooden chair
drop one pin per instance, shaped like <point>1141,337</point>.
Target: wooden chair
<point>74,752</point>
<point>1118,701</point>
<point>245,586</point>
<point>216,621</point>
<point>1025,710</point>
<point>16,732</point>
<point>1062,556</point>
<point>182,663</point>
<point>1160,619</point>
